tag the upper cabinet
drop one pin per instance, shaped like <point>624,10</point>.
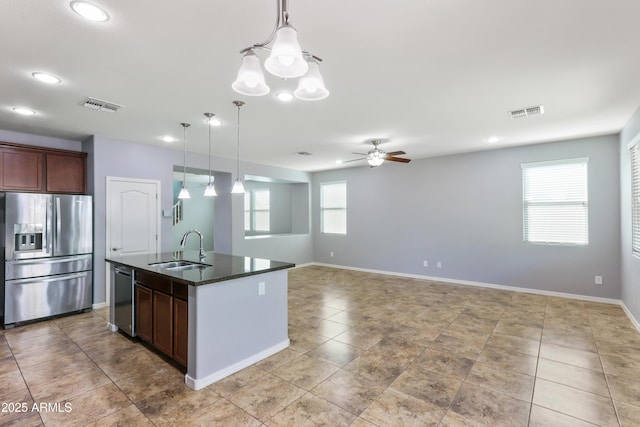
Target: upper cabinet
<point>26,168</point>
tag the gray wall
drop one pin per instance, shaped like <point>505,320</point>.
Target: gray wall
<point>630,263</point>
<point>198,212</point>
<point>466,212</point>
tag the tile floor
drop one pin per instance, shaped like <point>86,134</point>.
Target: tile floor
<point>366,350</point>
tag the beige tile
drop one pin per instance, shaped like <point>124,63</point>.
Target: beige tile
<point>570,338</point>
<point>8,365</point>
<point>571,356</point>
<point>12,382</point>
<point>620,365</point>
<point>510,383</point>
<point>21,408</point>
<point>278,359</point>
<point>264,398</point>
<point>625,389</point>
<point>543,417</point>
<point>453,419</point>
<point>221,413</point>
<point>577,403</point>
<point>302,341</point>
<point>305,371</point>
<point>489,407</point>
<point>237,381</point>
<point>629,415</point>
<point>311,411</point>
<point>505,327</point>
<point>349,391</point>
<point>445,363</point>
<point>465,347</point>
<point>394,408</point>
<point>574,376</point>
<point>172,405</point>
<point>512,343</point>
<point>428,386</point>
<point>335,352</point>
<point>66,386</point>
<point>501,359</point>
<point>361,337</point>
<point>129,416</point>
<point>88,407</point>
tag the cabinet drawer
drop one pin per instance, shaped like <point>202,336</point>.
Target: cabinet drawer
<point>154,281</point>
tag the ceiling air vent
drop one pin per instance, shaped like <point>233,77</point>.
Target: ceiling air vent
<point>524,112</point>
<point>97,104</point>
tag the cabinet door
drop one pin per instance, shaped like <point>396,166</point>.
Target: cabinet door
<point>144,313</point>
<point>163,322</point>
<point>20,170</point>
<point>180,330</point>
<point>66,173</point>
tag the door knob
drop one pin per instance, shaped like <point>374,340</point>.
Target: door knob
<point>115,249</point>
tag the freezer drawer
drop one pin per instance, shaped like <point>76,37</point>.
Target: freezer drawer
<point>28,299</point>
<point>26,268</point>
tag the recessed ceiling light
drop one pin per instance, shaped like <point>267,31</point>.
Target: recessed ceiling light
<point>215,122</point>
<point>46,78</point>
<point>284,96</point>
<point>168,138</point>
<point>493,140</point>
<point>89,11</point>
<point>24,111</point>
<point>338,162</point>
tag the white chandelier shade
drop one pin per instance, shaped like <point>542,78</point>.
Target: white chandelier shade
<point>286,59</point>
<point>311,85</point>
<point>250,80</point>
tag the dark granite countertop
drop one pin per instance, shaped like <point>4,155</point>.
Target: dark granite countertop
<point>220,267</point>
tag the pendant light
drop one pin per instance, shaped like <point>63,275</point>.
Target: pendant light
<point>184,193</point>
<point>238,186</point>
<point>286,60</point>
<point>210,190</point>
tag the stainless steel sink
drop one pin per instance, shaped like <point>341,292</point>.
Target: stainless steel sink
<point>179,265</point>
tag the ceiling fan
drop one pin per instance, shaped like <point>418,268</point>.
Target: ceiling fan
<point>376,156</point>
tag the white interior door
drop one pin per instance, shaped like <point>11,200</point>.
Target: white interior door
<point>133,218</point>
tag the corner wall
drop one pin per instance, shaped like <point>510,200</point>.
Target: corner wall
<point>630,263</point>
<point>465,211</point>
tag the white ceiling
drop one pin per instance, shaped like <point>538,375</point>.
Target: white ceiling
<point>433,77</point>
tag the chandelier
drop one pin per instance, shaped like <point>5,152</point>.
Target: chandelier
<point>286,60</point>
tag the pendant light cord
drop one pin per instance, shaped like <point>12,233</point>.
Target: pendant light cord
<point>209,123</point>
<point>238,151</point>
<point>184,159</point>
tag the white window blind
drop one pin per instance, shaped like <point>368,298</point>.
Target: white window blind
<point>333,208</point>
<point>555,202</point>
<point>635,198</point>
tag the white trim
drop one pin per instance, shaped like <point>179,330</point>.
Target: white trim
<point>112,327</point>
<point>99,305</point>
<point>306,264</point>
<point>481,284</point>
<point>634,141</point>
<point>577,160</point>
<point>635,321</point>
<point>199,383</point>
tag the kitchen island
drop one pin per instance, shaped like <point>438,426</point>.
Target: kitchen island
<point>215,315</point>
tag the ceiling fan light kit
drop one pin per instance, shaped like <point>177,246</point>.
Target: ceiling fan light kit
<point>286,60</point>
<point>376,156</point>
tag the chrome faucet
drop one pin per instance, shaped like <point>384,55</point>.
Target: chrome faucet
<point>184,240</point>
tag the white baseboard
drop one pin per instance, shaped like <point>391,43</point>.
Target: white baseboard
<point>99,305</point>
<point>112,327</point>
<point>198,383</point>
<point>630,315</point>
<point>307,264</point>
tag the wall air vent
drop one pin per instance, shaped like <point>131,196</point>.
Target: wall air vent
<point>97,104</point>
<point>524,112</point>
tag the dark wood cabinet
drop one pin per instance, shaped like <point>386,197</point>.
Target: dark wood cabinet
<point>180,330</point>
<point>37,169</point>
<point>162,314</point>
<point>66,173</point>
<point>163,322</point>
<point>144,313</point>
<point>21,170</point>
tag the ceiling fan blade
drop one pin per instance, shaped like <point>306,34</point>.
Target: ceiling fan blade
<point>397,159</point>
<point>354,160</point>
<point>395,153</point>
<point>360,154</point>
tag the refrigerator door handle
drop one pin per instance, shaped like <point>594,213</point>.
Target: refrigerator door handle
<point>38,261</point>
<point>48,279</point>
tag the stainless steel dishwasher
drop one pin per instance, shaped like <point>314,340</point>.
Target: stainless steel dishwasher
<point>124,300</point>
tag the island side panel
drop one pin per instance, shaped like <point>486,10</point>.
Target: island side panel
<point>231,326</point>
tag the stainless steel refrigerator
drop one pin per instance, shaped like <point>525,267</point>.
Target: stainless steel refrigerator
<point>48,255</point>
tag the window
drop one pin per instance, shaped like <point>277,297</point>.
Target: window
<point>635,198</point>
<point>333,208</point>
<point>256,210</point>
<point>555,200</point>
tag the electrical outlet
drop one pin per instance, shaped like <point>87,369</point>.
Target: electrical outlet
<point>439,264</point>
<point>261,288</point>
<point>425,263</point>
<point>331,254</point>
<point>598,280</point>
